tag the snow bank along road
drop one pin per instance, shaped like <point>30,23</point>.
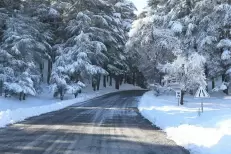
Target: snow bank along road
<point>108,124</point>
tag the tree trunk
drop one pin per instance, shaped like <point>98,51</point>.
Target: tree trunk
<point>223,77</point>
<point>117,82</point>
<point>20,96</point>
<point>108,78</point>
<point>92,82</point>
<point>6,93</point>
<point>24,96</point>
<point>76,77</point>
<point>49,72</point>
<point>182,98</point>
<point>1,87</point>
<point>110,81</point>
<point>160,79</point>
<point>121,78</point>
<point>98,81</point>
<point>125,78</point>
<point>213,83</point>
<point>104,81</point>
<point>226,91</point>
<point>41,71</point>
<point>134,79</point>
<point>61,97</point>
<point>61,94</point>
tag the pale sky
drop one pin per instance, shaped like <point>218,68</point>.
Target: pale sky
<point>140,4</point>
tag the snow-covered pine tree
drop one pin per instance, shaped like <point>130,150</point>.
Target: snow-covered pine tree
<point>201,26</point>
<point>151,42</point>
<point>204,27</point>
<point>74,63</point>
<point>34,31</point>
<point>24,44</point>
<point>188,72</point>
<point>106,33</point>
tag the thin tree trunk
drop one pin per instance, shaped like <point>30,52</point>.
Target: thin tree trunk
<point>133,79</point>
<point>6,93</point>
<point>125,78</point>
<point>92,82</point>
<point>117,82</point>
<point>121,78</point>
<point>110,84</point>
<point>226,91</point>
<point>49,71</point>
<point>182,98</point>
<point>213,83</point>
<point>1,87</point>
<point>98,81</point>
<point>160,80</point>
<point>24,96</point>
<point>61,94</point>
<point>41,71</point>
<point>223,77</point>
<point>104,81</point>
<point>108,78</point>
<point>20,96</point>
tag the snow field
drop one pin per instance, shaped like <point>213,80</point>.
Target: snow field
<point>209,133</point>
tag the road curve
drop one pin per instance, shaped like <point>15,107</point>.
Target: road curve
<point>110,124</point>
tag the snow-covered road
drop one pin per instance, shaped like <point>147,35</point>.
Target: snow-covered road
<point>12,110</point>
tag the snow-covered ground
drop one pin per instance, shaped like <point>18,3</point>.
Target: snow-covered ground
<point>209,133</point>
<point>12,110</point>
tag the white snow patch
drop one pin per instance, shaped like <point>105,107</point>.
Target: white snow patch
<point>209,133</point>
<point>176,27</point>
<point>224,43</point>
<point>226,55</point>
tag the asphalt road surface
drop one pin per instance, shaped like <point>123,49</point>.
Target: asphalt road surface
<point>110,124</point>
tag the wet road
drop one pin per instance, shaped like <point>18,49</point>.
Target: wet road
<point>110,124</point>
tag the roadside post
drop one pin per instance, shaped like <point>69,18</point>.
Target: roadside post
<point>202,93</point>
<point>178,96</point>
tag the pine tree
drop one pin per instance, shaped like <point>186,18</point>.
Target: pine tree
<point>24,44</point>
<point>106,31</point>
<point>81,40</point>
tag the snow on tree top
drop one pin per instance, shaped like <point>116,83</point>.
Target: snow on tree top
<point>176,27</point>
<point>54,13</point>
<point>226,55</point>
<point>117,15</point>
<point>224,43</point>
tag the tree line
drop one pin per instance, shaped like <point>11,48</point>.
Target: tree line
<point>81,40</point>
<point>188,41</point>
